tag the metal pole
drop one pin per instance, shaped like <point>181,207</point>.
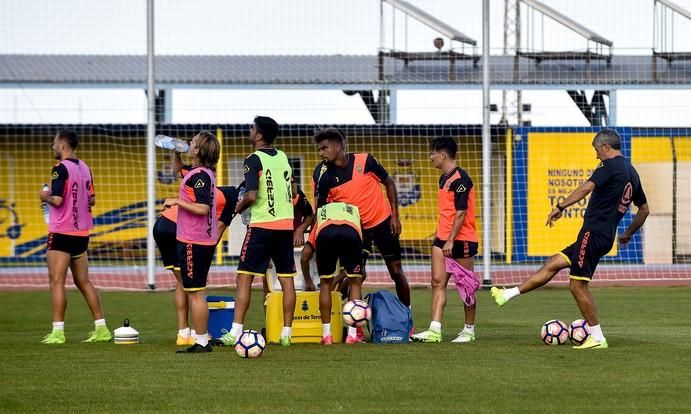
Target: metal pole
<point>486,153</point>
<point>150,149</point>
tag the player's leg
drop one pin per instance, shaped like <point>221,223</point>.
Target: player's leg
<point>390,248</point>
<point>549,269</point>
<point>254,261</point>
<point>327,268</point>
<point>58,262</point>
<point>194,273</point>
<point>284,260</point>
<point>464,253</point>
<point>592,247</point>
<point>80,273</point>
<point>165,237</point>
<point>439,282</point>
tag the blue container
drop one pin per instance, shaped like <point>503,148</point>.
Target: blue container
<point>221,313</point>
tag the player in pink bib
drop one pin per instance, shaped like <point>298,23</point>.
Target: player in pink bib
<point>197,231</point>
<point>70,198</point>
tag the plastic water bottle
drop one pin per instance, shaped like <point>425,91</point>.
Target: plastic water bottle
<point>44,205</point>
<point>170,143</point>
<point>246,214</point>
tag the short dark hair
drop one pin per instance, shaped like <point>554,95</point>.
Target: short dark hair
<point>608,136</point>
<point>70,137</point>
<point>446,144</point>
<point>267,127</point>
<point>330,133</point>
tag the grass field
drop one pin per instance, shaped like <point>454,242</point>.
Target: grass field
<point>646,369</point>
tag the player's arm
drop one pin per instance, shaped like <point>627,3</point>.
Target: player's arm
<point>373,166</point>
<point>320,184</point>
<point>640,200</point>
<point>392,195</point>
<point>230,194</point>
<point>252,167</point>
<point>53,196</point>
<point>307,214</point>
<point>307,253</point>
<point>577,195</point>
<point>92,191</point>
<point>176,162</point>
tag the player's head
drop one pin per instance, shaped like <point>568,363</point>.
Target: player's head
<point>65,141</point>
<point>263,128</point>
<point>330,143</point>
<point>607,144</point>
<point>442,150</point>
<point>205,149</point>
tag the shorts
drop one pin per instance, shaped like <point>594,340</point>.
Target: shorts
<point>74,245</point>
<point>462,249</point>
<point>164,235</point>
<point>388,245</point>
<point>195,260</point>
<point>262,245</point>
<point>584,255</point>
<point>339,245</point>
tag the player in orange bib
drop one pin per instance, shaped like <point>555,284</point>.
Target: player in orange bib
<point>455,238</point>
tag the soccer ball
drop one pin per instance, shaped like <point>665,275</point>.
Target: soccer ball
<point>554,332</point>
<point>251,344</point>
<point>579,331</point>
<point>356,312</point>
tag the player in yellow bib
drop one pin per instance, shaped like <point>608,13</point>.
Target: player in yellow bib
<point>269,196</point>
<point>337,239</point>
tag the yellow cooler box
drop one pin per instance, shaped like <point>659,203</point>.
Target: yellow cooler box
<point>307,323</point>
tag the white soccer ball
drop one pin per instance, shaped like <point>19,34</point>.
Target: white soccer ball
<point>554,332</point>
<point>579,331</point>
<point>251,344</point>
<point>356,312</point>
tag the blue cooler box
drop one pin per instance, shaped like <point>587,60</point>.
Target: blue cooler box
<point>221,313</point>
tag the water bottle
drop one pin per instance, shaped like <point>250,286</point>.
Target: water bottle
<point>246,215</point>
<point>170,143</point>
<point>44,205</point>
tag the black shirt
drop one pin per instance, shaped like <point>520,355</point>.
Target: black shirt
<point>200,182</point>
<point>616,185</point>
<point>327,176</point>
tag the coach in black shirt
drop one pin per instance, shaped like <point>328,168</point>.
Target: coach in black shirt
<point>614,185</point>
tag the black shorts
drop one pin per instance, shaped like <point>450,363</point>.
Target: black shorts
<point>339,245</point>
<point>388,245</point>
<point>195,260</point>
<point>164,235</point>
<point>74,245</point>
<point>262,245</point>
<point>584,255</point>
<point>462,249</point>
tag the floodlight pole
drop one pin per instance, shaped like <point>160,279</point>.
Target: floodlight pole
<point>150,148</point>
<point>486,153</point>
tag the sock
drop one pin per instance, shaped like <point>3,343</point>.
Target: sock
<point>326,329</point>
<point>596,332</point>
<point>435,326</point>
<point>184,333</point>
<point>511,293</point>
<point>287,331</point>
<point>352,331</point>
<point>236,330</point>
<point>193,333</point>
<point>469,328</point>
<point>100,322</point>
<point>202,339</point>
<point>59,326</point>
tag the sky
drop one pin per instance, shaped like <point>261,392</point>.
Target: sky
<point>261,27</point>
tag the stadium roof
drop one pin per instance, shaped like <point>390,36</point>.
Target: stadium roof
<point>338,72</point>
